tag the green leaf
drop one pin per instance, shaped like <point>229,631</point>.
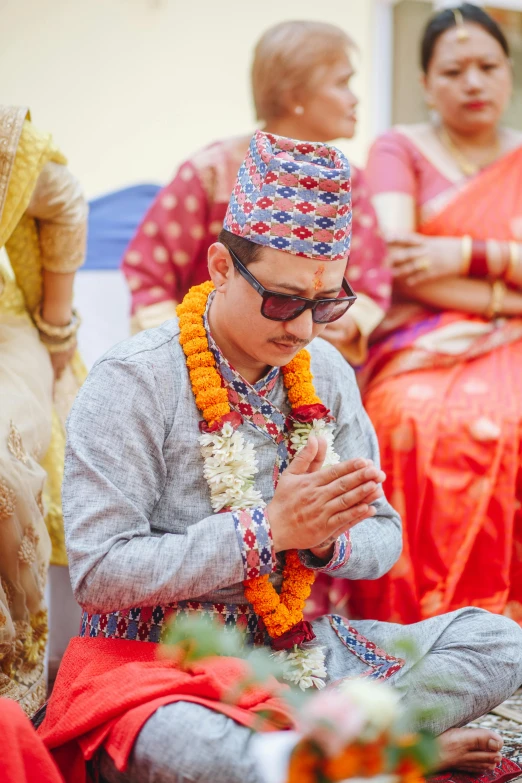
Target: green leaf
<point>263,664</point>
<point>194,637</point>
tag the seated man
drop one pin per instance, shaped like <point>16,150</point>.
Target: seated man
<point>175,444</point>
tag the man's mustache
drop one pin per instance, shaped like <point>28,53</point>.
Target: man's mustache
<point>289,341</point>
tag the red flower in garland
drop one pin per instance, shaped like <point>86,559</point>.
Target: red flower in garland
<point>304,414</point>
<point>232,418</point>
<point>299,633</point>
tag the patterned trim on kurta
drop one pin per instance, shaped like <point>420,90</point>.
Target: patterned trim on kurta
<point>340,556</point>
<point>255,542</point>
<point>250,400</point>
<point>382,666</point>
<point>149,624</point>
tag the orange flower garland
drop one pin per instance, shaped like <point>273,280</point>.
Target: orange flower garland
<point>279,612</point>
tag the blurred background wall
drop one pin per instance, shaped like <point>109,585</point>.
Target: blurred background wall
<point>129,88</point>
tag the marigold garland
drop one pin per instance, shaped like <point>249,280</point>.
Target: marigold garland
<point>279,612</point>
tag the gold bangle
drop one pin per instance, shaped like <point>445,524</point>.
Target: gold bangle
<point>514,258</point>
<point>63,346</point>
<point>466,254</point>
<point>498,294</point>
<point>58,332</point>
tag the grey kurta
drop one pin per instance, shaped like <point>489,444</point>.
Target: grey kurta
<point>140,532</point>
<point>139,524</point>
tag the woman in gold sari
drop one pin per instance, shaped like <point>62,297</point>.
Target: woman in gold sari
<point>444,381</point>
<point>42,242</point>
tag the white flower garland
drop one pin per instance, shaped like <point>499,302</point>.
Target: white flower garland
<point>322,429</point>
<point>229,468</point>
<point>303,666</point>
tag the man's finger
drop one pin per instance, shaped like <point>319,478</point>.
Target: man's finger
<point>376,495</point>
<point>303,460</point>
<point>334,472</point>
<point>318,461</point>
<point>342,523</point>
<point>351,481</point>
<point>345,521</point>
<point>352,498</point>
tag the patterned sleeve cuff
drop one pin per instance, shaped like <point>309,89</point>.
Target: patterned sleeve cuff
<point>339,558</point>
<point>255,542</point>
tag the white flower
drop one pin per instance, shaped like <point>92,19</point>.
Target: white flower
<point>377,702</point>
<point>321,428</point>
<point>304,666</point>
<point>230,467</point>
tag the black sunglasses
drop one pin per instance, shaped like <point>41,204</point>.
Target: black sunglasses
<point>286,307</point>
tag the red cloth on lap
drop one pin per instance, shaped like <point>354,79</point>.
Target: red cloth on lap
<point>107,689</point>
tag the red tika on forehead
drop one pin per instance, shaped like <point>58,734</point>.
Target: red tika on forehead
<point>318,277</point>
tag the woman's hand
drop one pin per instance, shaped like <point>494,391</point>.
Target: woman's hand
<point>341,332</point>
<point>416,259</point>
<point>60,360</point>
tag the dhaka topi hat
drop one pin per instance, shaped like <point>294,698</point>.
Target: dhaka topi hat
<point>293,196</point>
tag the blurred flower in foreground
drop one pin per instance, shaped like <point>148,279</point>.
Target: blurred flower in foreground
<point>356,728</point>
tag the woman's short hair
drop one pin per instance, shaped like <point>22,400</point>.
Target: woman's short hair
<point>289,57</point>
<point>446,19</point>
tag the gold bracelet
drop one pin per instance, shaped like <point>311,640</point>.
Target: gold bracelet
<point>498,294</point>
<point>61,347</point>
<point>466,254</point>
<point>58,332</point>
<point>514,258</point>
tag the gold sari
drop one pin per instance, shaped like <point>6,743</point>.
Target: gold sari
<point>31,430</point>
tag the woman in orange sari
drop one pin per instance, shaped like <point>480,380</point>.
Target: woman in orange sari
<point>443,386</point>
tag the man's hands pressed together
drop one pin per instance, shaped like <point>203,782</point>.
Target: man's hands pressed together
<point>313,505</point>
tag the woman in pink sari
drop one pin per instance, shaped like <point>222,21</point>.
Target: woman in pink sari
<point>443,385</point>
<point>300,80</point>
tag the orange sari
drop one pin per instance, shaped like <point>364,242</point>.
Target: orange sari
<point>449,425</point>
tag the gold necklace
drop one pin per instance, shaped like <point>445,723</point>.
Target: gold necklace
<point>468,167</point>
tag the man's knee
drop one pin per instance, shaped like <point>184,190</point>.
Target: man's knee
<point>187,742</point>
<point>498,637</point>
<point>507,635</point>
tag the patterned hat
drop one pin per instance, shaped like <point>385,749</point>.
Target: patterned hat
<point>293,196</point>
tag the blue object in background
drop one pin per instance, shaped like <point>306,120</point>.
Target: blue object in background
<point>113,220</point>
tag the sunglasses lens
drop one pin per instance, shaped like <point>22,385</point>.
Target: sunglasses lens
<point>326,312</point>
<point>281,308</point>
